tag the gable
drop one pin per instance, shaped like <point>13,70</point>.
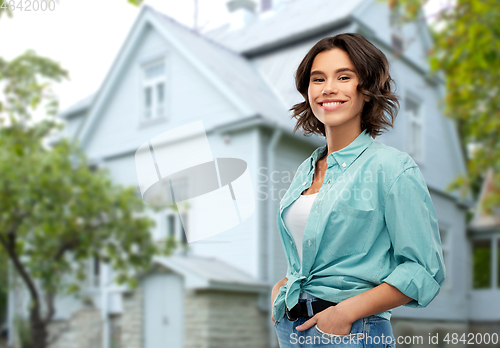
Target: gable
<point>121,124</point>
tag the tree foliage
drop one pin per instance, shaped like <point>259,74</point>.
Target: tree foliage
<point>466,49</point>
<point>56,212</point>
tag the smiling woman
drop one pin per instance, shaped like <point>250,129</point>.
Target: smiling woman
<point>355,248</point>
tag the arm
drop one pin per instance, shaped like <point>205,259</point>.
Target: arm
<point>381,298</point>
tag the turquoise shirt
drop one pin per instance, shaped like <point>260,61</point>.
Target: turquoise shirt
<point>372,221</point>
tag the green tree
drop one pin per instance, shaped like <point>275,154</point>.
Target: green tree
<point>56,213</point>
<point>466,50</point>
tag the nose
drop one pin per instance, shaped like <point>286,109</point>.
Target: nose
<point>330,88</point>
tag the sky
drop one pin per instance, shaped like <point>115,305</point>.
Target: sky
<point>84,37</point>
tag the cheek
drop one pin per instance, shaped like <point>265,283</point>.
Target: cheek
<point>312,93</point>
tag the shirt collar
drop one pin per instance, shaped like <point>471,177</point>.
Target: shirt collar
<point>346,156</point>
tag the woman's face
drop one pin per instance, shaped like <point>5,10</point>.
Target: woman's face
<point>327,84</point>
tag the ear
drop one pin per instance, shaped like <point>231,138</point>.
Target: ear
<point>367,99</point>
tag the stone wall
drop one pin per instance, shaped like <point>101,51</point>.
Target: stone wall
<point>131,321</point>
<point>82,330</point>
<point>213,319</point>
<point>220,319</point>
<point>115,334</point>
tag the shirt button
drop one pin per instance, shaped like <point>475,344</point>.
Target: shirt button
<point>305,182</point>
<point>343,164</point>
<point>309,243</point>
<point>328,181</point>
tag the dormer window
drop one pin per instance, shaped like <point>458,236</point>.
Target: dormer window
<point>153,91</point>
<point>395,23</point>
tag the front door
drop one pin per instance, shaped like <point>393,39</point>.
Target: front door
<point>163,311</point>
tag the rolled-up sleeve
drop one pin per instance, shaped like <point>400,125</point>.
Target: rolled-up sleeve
<point>414,232</point>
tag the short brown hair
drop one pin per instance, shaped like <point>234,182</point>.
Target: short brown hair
<point>374,81</point>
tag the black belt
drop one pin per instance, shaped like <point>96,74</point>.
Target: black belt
<point>300,309</point>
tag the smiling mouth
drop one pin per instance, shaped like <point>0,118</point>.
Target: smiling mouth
<point>332,103</point>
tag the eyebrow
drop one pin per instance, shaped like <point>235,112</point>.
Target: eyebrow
<point>318,72</point>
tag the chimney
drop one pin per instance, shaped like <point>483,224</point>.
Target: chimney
<point>273,5</point>
<point>241,12</point>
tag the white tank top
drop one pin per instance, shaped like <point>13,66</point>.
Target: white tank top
<point>295,218</point>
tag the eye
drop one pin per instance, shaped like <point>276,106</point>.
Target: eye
<point>347,77</point>
<point>317,80</point>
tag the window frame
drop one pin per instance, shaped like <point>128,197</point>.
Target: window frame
<point>411,120</point>
<point>153,83</point>
<point>178,226</point>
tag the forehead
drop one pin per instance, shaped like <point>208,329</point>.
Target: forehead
<point>332,60</point>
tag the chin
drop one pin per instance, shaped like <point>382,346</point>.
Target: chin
<point>333,121</point>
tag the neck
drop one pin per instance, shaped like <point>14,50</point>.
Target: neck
<point>339,137</point>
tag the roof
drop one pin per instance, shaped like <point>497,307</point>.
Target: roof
<point>79,106</point>
<point>200,272</point>
<point>268,30</point>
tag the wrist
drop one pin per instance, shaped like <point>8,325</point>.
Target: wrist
<point>343,309</point>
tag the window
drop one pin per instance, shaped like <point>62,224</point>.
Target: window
<point>175,226</point>
<point>415,138</point>
<point>395,23</point>
<point>95,272</point>
<point>154,77</point>
<point>481,263</point>
<point>171,225</point>
<point>444,234</point>
<point>184,228</point>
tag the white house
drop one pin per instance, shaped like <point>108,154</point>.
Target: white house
<point>238,79</point>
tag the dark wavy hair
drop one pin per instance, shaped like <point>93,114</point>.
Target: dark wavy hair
<point>374,81</point>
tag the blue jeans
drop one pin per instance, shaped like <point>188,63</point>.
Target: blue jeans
<point>369,332</point>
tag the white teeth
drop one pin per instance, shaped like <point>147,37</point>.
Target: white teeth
<point>332,104</point>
